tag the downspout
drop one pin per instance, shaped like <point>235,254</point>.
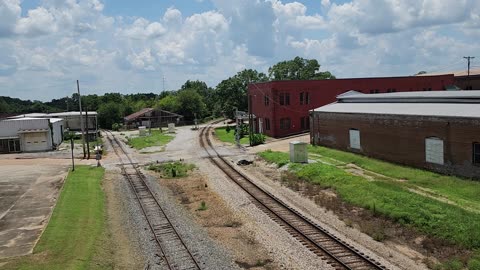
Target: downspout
<point>50,125</point>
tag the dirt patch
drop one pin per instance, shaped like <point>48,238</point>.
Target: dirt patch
<point>114,248</point>
<point>406,240</point>
<point>221,223</point>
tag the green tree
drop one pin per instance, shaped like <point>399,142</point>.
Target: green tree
<point>298,69</point>
<point>232,92</point>
<point>190,103</point>
<point>168,103</point>
<point>110,113</point>
<point>4,108</point>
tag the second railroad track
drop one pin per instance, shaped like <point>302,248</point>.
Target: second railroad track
<point>327,246</point>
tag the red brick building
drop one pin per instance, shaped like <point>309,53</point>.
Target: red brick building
<point>433,130</point>
<point>281,107</point>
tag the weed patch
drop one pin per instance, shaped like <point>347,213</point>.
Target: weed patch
<point>175,169</point>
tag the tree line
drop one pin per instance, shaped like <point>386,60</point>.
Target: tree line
<point>193,99</point>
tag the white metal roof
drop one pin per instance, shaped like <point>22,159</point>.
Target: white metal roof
<point>420,109</point>
<point>24,119</point>
<point>70,114</point>
<point>54,120</point>
<point>414,94</point>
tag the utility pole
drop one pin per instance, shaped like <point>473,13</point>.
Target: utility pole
<point>86,123</point>
<point>468,63</point>
<point>81,119</point>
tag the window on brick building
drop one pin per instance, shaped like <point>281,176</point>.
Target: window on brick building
<point>305,123</point>
<point>307,98</point>
<point>434,150</point>
<point>284,98</point>
<point>476,153</point>
<point>266,100</point>
<point>285,123</point>
<point>354,138</point>
<point>267,124</point>
<point>302,95</point>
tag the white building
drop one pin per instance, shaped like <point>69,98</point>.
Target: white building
<point>30,134</point>
<point>71,119</point>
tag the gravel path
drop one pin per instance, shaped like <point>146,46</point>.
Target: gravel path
<point>209,254</point>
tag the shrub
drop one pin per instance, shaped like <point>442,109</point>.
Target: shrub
<point>228,128</point>
<point>257,139</point>
<point>175,169</point>
<point>474,264</point>
<point>116,126</point>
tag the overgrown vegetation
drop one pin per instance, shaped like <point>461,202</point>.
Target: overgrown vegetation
<point>77,221</point>
<point>156,138</point>
<point>175,169</point>
<point>463,192</point>
<point>258,138</point>
<point>393,199</point>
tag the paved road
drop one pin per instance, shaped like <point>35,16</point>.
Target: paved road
<point>28,192</point>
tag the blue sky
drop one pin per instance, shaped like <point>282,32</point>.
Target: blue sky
<point>130,46</point>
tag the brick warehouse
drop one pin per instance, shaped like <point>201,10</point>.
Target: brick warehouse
<point>281,107</point>
<point>433,130</point>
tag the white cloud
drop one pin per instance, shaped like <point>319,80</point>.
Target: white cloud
<point>38,22</point>
<point>9,14</point>
<point>59,41</point>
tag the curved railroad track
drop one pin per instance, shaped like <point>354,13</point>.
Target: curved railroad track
<point>335,251</point>
<point>173,249</point>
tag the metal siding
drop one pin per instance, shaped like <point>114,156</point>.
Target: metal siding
<point>11,127</point>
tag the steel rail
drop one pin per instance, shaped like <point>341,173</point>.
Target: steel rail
<point>145,201</point>
<point>269,202</point>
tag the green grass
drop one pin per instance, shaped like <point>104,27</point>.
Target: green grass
<point>157,138</point>
<point>394,200</point>
<point>463,192</point>
<point>175,169</point>
<point>77,221</point>
<point>229,137</point>
<point>279,158</point>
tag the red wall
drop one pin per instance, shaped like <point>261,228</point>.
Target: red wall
<point>323,92</point>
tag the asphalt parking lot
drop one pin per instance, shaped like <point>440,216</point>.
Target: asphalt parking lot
<point>28,192</point>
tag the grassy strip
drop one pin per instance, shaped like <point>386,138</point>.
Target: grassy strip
<point>77,221</point>
<point>391,199</point>
<point>279,158</point>
<point>229,137</point>
<point>464,192</point>
<point>156,138</point>
<point>175,169</point>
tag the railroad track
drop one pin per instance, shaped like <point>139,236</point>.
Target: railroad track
<point>335,251</point>
<point>172,248</point>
